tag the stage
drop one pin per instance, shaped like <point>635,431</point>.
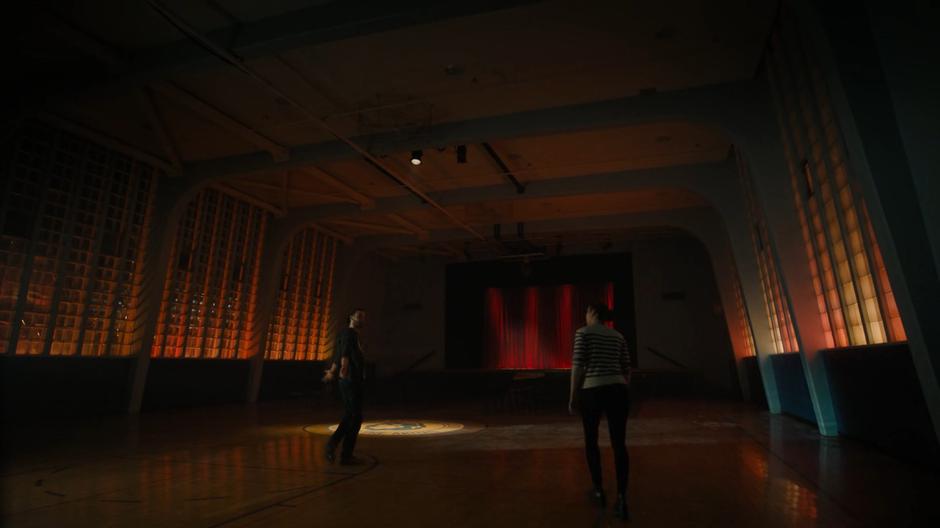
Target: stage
<point>694,463</point>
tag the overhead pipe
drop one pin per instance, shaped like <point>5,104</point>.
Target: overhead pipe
<point>504,170</point>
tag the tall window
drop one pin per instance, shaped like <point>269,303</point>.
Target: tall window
<point>300,326</point>
<point>854,297</point>
<point>775,302</point>
<point>747,336</point>
<point>72,227</point>
<point>209,297</point>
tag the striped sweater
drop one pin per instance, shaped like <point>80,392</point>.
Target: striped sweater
<point>602,353</point>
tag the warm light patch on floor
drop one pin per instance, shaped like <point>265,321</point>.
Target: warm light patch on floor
<point>400,428</point>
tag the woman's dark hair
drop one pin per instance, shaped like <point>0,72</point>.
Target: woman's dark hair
<point>603,312</point>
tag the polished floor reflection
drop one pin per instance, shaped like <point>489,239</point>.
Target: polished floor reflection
<point>693,464</point>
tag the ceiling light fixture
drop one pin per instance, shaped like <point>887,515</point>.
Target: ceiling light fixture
<point>416,157</point>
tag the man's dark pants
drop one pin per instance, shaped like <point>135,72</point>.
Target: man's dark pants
<point>348,430</point>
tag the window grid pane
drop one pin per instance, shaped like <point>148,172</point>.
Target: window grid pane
<point>299,326</point>
<point>744,325</point>
<point>853,292</point>
<point>775,304</point>
<point>209,296</point>
<point>74,226</point>
<point>895,325</point>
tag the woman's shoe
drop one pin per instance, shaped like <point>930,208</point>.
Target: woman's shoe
<point>597,497</point>
<point>620,507</point>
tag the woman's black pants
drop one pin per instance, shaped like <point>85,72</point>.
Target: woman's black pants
<point>614,401</point>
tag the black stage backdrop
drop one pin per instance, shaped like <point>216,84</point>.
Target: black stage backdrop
<point>476,290</point>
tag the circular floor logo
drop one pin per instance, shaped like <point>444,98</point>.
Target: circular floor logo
<point>396,428</point>
<point>390,427</point>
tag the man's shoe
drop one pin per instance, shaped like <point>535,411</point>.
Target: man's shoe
<point>597,497</point>
<point>621,510</point>
<point>350,461</point>
<point>329,452</point>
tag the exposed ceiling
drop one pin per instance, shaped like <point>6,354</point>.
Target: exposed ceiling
<point>534,246</point>
<point>121,70</point>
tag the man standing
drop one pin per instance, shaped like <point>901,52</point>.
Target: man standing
<point>348,357</point>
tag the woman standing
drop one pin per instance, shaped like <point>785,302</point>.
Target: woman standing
<point>600,379</point>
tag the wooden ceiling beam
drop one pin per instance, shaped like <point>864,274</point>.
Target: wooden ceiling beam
<point>333,233</point>
<point>460,254</point>
<point>155,117</point>
<point>719,104</point>
<point>436,251</point>
<point>106,141</point>
<point>171,91</point>
<point>253,200</point>
<point>387,255</point>
<point>294,190</point>
<point>708,180</point>
<point>371,227</point>
<point>318,23</point>
<point>82,40</point>
<point>421,232</point>
<point>172,165</point>
<point>366,202</point>
<point>675,219</point>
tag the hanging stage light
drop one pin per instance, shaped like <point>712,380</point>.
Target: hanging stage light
<point>416,157</point>
<point>461,153</point>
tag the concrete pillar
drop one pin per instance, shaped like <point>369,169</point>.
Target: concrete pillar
<point>763,153</point>
<point>726,196</point>
<point>276,238</point>
<point>172,195</point>
<point>715,238</point>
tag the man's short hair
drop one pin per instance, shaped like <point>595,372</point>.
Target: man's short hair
<point>353,312</point>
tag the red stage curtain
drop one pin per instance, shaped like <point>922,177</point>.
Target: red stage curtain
<point>533,327</point>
